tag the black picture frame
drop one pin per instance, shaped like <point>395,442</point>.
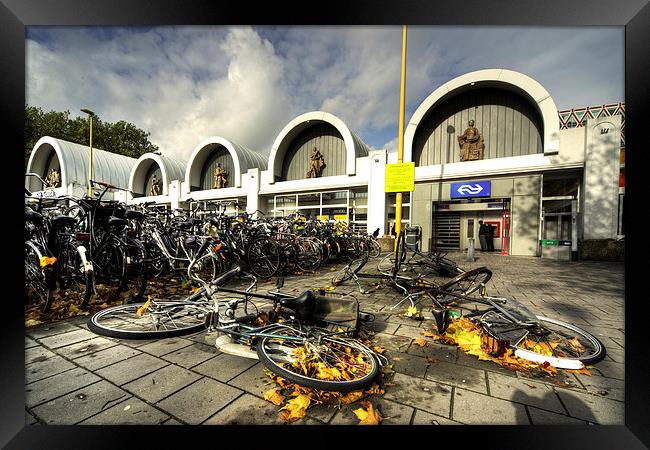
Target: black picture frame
<point>634,15</point>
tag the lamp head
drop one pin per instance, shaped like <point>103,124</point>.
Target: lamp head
<point>87,111</point>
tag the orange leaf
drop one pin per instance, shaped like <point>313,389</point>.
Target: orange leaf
<point>143,309</point>
<point>295,408</point>
<point>273,395</point>
<point>368,416</point>
<point>420,342</point>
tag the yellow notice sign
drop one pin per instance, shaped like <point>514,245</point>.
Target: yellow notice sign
<point>400,177</point>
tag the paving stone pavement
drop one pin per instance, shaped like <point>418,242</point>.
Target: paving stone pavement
<point>75,377</point>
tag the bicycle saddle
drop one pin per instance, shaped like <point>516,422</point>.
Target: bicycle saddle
<point>303,305</point>
<point>63,221</point>
<point>117,222</point>
<point>33,216</point>
<point>133,214</point>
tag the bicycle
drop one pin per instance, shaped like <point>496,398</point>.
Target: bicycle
<point>291,339</point>
<point>507,323</point>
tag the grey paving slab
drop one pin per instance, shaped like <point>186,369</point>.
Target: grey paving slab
<point>131,369</point>
<point>30,419</point>
<point>467,378</point>
<point>58,385</point>
<point>106,357</point>
<point>247,410</point>
<point>37,354</point>
<point>46,368</point>
<point>70,337</point>
<point>424,418</point>
<point>85,347</point>
<point>253,380</point>
<point>393,343</point>
<point>435,351</point>
<point>392,413</point>
<point>492,411</point>
<point>29,343</point>
<point>131,411</point>
<point>199,401</point>
<point>527,392</point>
<point>381,326</point>
<point>412,365</point>
<point>542,417</point>
<point>472,361</point>
<point>157,385</point>
<point>164,346</point>
<point>611,369</point>
<point>605,387</point>
<point>224,367</point>
<point>420,393</point>
<point>79,405</point>
<point>409,331</point>
<point>593,408</point>
<point>192,355</point>
<point>50,329</point>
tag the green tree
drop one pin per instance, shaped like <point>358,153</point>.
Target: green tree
<point>119,137</point>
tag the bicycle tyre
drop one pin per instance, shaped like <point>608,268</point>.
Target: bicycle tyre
<point>264,257</point>
<point>345,274</point>
<point>375,249</point>
<point>468,282</point>
<point>598,353</point>
<point>267,348</point>
<point>123,322</point>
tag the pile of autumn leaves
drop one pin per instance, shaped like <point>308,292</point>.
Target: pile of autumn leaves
<point>295,399</point>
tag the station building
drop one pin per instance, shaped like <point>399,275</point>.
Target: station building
<point>546,180</point>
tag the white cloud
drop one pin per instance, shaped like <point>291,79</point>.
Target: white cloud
<point>183,84</point>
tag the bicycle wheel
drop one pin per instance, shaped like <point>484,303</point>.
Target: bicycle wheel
<point>206,268</point>
<point>75,282</point>
<point>109,261</point>
<point>468,282</point>
<point>346,273</point>
<point>158,320</point>
<point>36,288</point>
<point>387,264</point>
<point>560,344</point>
<point>264,257</point>
<point>318,361</point>
<point>375,249</point>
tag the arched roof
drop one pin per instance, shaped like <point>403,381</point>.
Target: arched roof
<point>74,160</point>
<point>354,146</point>
<point>243,158</point>
<point>504,78</point>
<point>171,169</point>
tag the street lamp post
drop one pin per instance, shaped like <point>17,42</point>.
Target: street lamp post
<point>90,166</point>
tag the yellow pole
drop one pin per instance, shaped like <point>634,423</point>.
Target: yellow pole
<point>400,137</point>
<point>90,165</point>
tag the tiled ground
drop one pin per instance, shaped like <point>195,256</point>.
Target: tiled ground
<point>75,377</point>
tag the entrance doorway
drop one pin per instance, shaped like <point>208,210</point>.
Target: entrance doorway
<point>454,223</point>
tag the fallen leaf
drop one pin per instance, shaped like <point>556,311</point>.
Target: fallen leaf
<point>420,342</point>
<point>273,395</point>
<point>369,415</point>
<point>295,409</point>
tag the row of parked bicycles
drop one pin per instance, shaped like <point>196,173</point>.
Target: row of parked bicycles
<point>311,338</point>
<point>84,247</point>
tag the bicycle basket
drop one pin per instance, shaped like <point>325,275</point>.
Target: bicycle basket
<point>492,344</point>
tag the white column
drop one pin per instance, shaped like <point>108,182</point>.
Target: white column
<point>602,168</point>
<point>376,195</point>
<point>175,194</point>
<point>252,196</point>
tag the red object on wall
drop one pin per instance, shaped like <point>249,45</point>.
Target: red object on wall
<point>621,178</point>
<point>497,227</point>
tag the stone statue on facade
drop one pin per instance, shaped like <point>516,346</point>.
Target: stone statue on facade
<point>220,177</point>
<point>316,164</point>
<point>155,185</point>
<point>471,143</point>
<point>53,179</point>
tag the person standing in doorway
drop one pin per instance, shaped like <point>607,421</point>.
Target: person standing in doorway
<point>482,235</point>
<point>490,238</point>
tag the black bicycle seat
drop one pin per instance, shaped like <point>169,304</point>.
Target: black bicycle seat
<point>303,305</point>
<point>34,217</point>
<point>63,221</point>
<point>117,222</point>
<point>133,214</point>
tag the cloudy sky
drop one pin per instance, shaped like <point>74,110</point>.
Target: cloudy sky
<point>183,84</point>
